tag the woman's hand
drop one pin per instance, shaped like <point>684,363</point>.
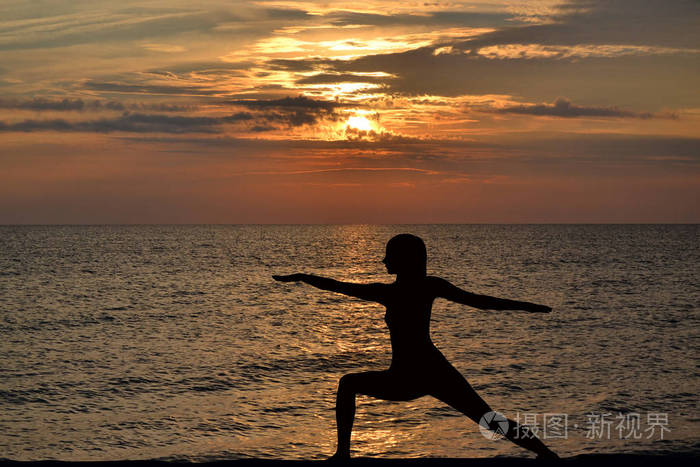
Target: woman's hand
<point>288,278</point>
<point>535,308</point>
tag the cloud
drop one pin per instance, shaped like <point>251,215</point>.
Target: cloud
<point>129,122</point>
<point>332,78</point>
<point>182,90</point>
<point>565,108</point>
<point>286,14</point>
<point>302,102</point>
<point>263,116</point>
<point>292,111</point>
<point>383,136</point>
<point>294,118</point>
<point>39,104</point>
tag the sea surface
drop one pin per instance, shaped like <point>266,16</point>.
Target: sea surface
<point>174,342</point>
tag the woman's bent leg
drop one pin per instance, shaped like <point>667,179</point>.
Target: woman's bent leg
<point>379,384</point>
<point>345,413</point>
<point>454,390</point>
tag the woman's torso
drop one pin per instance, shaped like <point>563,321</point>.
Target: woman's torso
<point>408,308</point>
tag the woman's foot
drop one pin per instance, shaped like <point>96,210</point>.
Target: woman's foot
<point>339,457</point>
<point>547,455</point>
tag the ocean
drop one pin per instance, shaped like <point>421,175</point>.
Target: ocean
<point>174,342</point>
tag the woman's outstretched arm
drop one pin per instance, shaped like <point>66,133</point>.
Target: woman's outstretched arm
<point>371,292</point>
<point>484,302</point>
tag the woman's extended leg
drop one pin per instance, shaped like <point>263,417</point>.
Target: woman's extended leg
<point>379,384</point>
<point>453,389</point>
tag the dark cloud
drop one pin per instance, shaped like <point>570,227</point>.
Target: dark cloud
<point>292,111</point>
<point>265,116</point>
<point>287,14</point>
<point>300,102</point>
<point>293,119</point>
<point>564,108</point>
<point>382,136</point>
<point>42,104</point>
<point>262,128</point>
<point>162,107</point>
<point>330,78</point>
<point>39,104</point>
<point>129,122</point>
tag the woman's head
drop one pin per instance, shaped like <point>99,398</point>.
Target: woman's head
<point>406,254</point>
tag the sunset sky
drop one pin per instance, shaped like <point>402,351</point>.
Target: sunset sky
<point>349,112</point>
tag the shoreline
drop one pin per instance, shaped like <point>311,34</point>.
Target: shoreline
<point>597,460</point>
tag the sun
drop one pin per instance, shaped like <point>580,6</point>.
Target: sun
<point>359,123</point>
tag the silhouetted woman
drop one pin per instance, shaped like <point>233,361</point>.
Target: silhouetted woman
<point>417,366</point>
